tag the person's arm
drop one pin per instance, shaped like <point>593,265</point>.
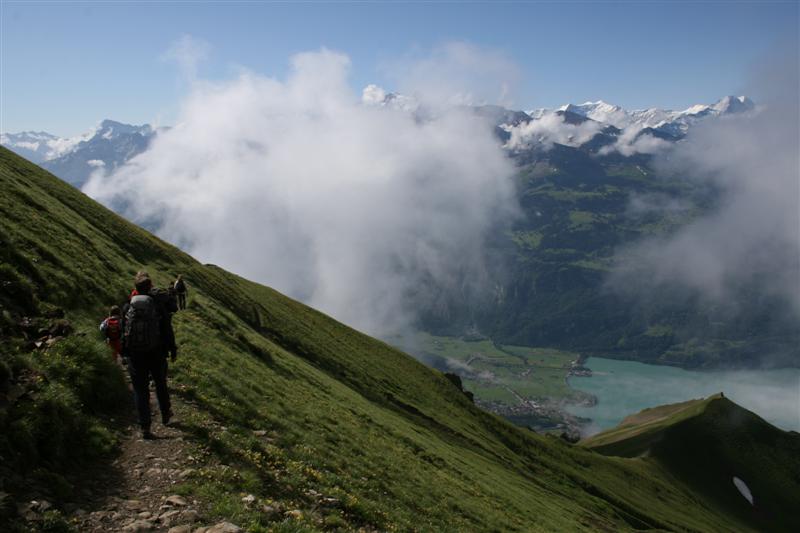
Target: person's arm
<point>104,325</point>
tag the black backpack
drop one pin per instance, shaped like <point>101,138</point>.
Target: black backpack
<point>142,325</point>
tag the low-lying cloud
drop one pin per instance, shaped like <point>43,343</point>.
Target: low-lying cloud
<point>354,209</point>
<point>549,129</point>
<point>752,237</point>
<point>633,141</point>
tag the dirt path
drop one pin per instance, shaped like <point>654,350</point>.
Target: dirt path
<point>138,493</point>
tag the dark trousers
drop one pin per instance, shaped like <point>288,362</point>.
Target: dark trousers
<point>181,300</point>
<point>142,368</point>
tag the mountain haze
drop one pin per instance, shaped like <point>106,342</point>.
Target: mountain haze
<point>111,143</point>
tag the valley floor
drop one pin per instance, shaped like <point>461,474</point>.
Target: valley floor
<point>526,385</point>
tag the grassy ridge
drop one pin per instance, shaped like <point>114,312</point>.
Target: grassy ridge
<point>291,404</point>
<point>636,433</point>
<point>705,443</point>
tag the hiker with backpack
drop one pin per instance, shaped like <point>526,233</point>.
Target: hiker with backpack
<point>147,340</point>
<point>111,327</point>
<point>181,291</point>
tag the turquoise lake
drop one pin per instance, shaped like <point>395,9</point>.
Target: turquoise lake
<point>625,387</point>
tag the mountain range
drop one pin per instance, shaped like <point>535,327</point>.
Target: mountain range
<point>110,144</point>
<point>106,146</point>
<point>675,123</point>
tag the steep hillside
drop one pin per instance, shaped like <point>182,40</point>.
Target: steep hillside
<point>707,443</point>
<point>280,401</point>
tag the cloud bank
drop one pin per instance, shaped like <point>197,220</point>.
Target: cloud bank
<point>354,209</point>
<point>549,129</point>
<point>633,141</point>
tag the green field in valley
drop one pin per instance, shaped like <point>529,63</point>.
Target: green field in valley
<point>533,373</point>
<point>525,384</point>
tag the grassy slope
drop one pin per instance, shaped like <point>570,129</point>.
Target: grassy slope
<point>705,443</point>
<point>350,417</point>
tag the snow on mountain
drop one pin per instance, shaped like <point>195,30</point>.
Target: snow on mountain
<point>674,123</point>
<point>35,146</point>
<point>637,131</point>
<point>597,126</point>
<point>40,146</point>
<point>107,145</point>
<point>734,104</point>
<point>600,111</point>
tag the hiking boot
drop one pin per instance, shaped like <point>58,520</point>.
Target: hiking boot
<point>147,435</point>
<point>166,417</point>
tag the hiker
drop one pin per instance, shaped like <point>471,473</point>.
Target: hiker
<point>147,340</point>
<point>111,327</point>
<point>180,289</point>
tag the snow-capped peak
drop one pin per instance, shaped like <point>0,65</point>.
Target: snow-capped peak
<point>695,109</point>
<point>674,123</point>
<point>599,111</point>
<point>733,104</point>
<point>40,146</point>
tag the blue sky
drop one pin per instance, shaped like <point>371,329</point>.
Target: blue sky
<point>67,65</point>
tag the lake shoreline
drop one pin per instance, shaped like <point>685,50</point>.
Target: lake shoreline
<point>624,387</point>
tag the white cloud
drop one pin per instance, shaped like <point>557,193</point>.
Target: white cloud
<point>550,128</point>
<point>632,141</point>
<point>358,210</point>
<point>96,163</point>
<point>373,95</point>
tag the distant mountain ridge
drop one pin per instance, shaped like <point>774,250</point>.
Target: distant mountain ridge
<point>108,145</point>
<point>37,146</point>
<point>674,122</point>
<point>111,144</point>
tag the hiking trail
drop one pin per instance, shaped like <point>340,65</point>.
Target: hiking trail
<point>138,493</point>
<point>141,496</point>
